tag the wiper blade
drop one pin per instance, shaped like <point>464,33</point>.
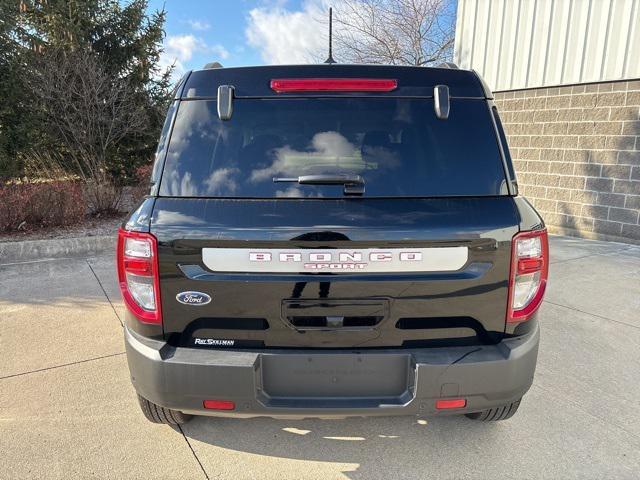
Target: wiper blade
<point>353,184</point>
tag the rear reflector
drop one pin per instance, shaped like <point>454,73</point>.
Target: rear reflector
<point>219,405</point>
<point>449,403</point>
<point>283,85</point>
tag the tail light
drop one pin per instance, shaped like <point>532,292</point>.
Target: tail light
<point>137,259</point>
<point>283,85</point>
<point>529,272</point>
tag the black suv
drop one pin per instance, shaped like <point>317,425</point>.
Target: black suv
<point>332,241</point>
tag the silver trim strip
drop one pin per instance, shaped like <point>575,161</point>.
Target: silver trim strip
<point>369,260</point>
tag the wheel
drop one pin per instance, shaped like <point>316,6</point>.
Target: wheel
<point>494,414</point>
<point>157,414</point>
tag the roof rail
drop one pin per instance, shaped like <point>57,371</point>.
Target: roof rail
<point>213,65</point>
<point>448,65</point>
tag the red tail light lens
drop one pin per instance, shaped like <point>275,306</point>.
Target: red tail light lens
<point>283,85</point>
<point>137,258</point>
<point>529,273</point>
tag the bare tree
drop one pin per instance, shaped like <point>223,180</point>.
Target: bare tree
<point>89,112</point>
<point>395,32</point>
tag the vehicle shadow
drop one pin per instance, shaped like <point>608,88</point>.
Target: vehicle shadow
<point>360,448</point>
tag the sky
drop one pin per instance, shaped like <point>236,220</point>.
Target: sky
<point>244,32</point>
<point>241,32</point>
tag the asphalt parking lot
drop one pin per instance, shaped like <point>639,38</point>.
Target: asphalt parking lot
<point>67,408</point>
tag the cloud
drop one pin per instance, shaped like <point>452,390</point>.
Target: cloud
<point>324,146</point>
<point>167,217</point>
<point>285,36</point>
<point>180,49</point>
<point>297,192</point>
<point>221,181</point>
<point>183,46</point>
<point>199,25</point>
<point>219,51</point>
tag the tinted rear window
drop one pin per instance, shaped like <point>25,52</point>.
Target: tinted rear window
<point>397,145</point>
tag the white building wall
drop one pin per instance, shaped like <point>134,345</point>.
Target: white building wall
<point>517,44</point>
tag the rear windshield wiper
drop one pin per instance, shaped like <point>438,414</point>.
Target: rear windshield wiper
<point>353,184</point>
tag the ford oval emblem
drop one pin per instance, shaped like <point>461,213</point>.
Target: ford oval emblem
<point>193,298</point>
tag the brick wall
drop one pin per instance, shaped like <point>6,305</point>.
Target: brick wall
<point>576,150</point>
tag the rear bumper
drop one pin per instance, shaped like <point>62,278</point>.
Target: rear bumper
<point>332,384</point>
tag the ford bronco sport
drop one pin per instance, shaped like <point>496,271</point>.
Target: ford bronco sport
<point>332,241</point>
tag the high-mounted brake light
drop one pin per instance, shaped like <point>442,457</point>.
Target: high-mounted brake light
<point>529,273</point>
<point>284,85</point>
<point>137,258</point>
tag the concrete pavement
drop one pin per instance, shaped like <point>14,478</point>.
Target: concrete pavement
<point>67,408</point>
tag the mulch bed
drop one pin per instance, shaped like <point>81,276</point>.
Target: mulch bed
<point>90,227</point>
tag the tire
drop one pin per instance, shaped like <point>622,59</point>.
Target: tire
<point>495,414</point>
<point>157,414</point>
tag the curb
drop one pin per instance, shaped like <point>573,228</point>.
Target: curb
<point>34,250</point>
<point>30,250</point>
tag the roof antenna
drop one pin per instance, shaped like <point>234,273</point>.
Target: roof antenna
<point>330,59</point>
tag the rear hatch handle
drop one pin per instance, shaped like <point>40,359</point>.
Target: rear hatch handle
<point>353,184</point>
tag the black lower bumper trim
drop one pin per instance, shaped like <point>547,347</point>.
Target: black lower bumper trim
<point>299,383</point>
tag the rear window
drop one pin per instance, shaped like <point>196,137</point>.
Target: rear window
<point>397,145</point>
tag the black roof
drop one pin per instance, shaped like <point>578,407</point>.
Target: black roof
<point>255,81</point>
